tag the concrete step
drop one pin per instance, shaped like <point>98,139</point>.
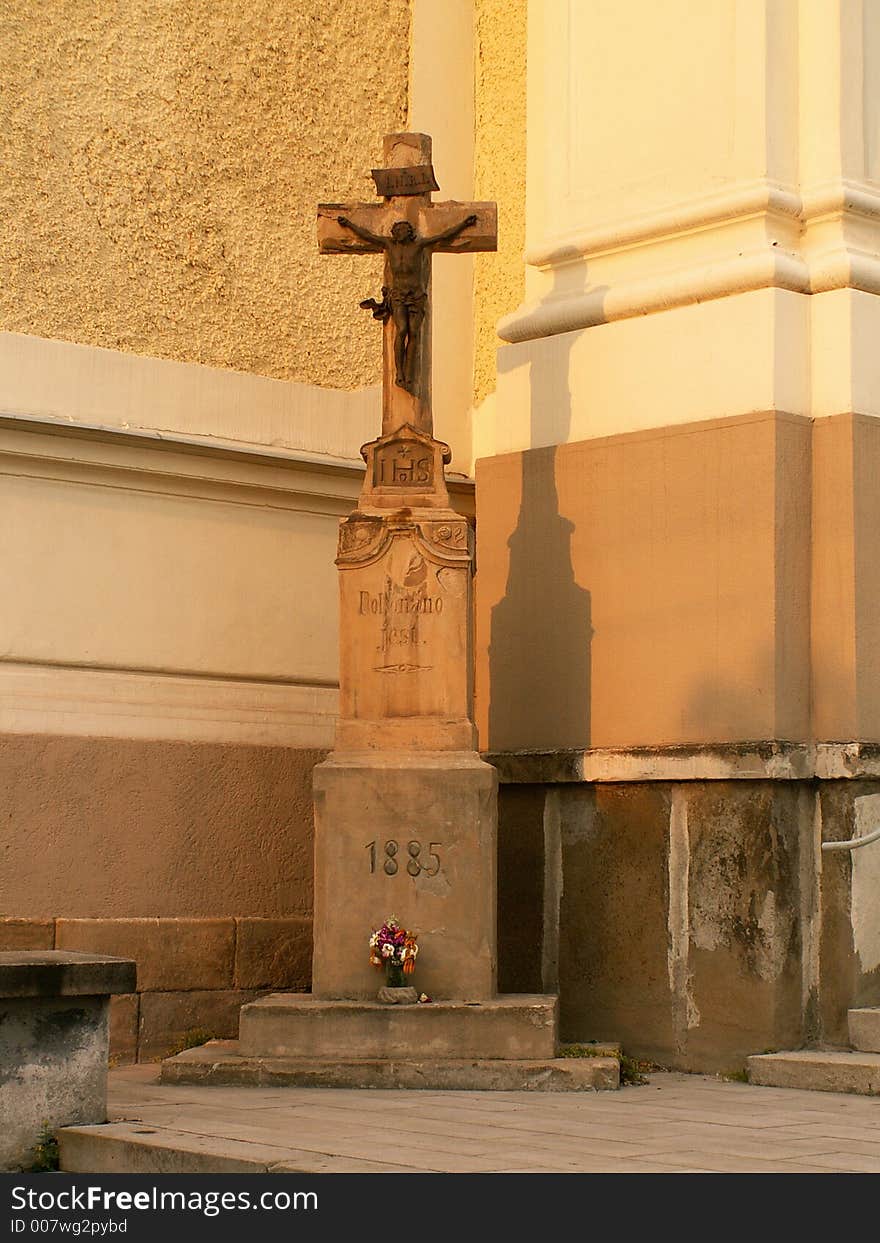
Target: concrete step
<point>223,1062</point>
<point>864,1029</point>
<point>822,1070</point>
<point>133,1148</point>
<point>298,1025</point>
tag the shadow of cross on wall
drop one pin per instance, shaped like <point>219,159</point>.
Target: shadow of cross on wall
<point>541,630</point>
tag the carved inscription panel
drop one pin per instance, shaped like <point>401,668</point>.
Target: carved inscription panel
<point>403,464</point>
<point>405,650</point>
<point>397,613</point>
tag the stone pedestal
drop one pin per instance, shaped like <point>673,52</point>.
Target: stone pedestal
<point>54,1041</point>
<point>413,836</point>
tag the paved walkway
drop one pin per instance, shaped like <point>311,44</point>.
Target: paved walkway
<point>675,1124</point>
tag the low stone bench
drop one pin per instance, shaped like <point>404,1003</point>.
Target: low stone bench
<point>54,1042</point>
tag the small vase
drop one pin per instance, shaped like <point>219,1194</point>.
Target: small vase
<point>394,977</point>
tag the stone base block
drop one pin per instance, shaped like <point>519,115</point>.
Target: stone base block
<point>413,837</point>
<point>53,1044</point>
<point>296,1025</point>
<point>818,1070</point>
<point>54,1054</point>
<point>222,1063</point>
<point>864,1029</point>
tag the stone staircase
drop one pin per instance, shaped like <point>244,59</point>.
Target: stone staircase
<point>856,1069</point>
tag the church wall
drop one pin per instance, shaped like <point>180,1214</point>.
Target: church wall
<point>646,589</point>
<point>500,30</point>
<point>675,677</point>
<point>162,165</point>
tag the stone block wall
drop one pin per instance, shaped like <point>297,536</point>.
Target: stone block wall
<point>193,859</point>
<point>193,975</point>
<point>696,921</point>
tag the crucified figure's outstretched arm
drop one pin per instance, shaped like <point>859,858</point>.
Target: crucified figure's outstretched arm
<point>448,234</point>
<point>375,239</point>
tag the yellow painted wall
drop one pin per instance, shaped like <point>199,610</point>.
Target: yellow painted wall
<point>500,171</point>
<point>161,161</point>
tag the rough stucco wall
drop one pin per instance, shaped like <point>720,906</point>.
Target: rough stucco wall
<point>161,162</point>
<point>116,827</point>
<point>499,171</point>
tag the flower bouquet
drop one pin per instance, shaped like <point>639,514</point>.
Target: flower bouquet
<point>395,949</point>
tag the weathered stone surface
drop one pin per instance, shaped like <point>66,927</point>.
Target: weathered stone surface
<point>743,887</point>
<point>613,958</point>
<point>170,953</point>
<point>397,996</point>
<point>864,1029</point>
<point>819,1070</point>
<point>27,934</point>
<point>53,1068</point>
<point>292,1025</point>
<point>521,867</point>
<point>169,1020</point>
<point>62,973</point>
<point>413,837</point>
<point>273,953</point>
<point>124,1014</point>
<point>844,979</point>
<point>221,1063</point>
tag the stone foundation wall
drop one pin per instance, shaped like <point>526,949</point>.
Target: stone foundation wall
<point>695,921</point>
<point>193,859</point>
<point>193,975</point>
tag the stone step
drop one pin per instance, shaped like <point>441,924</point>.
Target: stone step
<point>297,1025</point>
<point>822,1070</point>
<point>222,1062</point>
<point>864,1029</point>
<point>132,1148</point>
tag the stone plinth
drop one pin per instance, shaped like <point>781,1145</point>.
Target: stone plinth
<point>518,1027</point>
<point>413,836</point>
<point>54,1040</point>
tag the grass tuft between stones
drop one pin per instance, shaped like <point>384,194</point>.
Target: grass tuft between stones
<point>192,1039</point>
<point>632,1071</point>
<point>45,1160</point>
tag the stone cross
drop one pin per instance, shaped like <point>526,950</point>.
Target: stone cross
<point>408,228</point>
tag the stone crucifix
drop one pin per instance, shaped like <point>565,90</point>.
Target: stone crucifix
<point>408,228</point>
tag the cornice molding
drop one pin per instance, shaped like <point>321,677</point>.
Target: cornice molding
<point>813,242</point>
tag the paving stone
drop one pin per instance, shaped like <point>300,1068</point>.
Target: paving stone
<point>354,1130</point>
<point>848,1162</point>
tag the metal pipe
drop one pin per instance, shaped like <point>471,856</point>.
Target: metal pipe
<point>854,842</point>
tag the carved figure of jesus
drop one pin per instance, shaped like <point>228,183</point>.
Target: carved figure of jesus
<point>405,301</point>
